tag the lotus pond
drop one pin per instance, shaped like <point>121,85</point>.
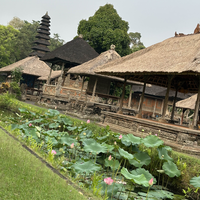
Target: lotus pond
<point>112,165</point>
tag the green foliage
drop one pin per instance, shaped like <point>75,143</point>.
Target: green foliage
<point>104,29</point>
<point>195,181</point>
<point>171,169</point>
<point>55,42</point>
<point>136,44</point>
<point>16,23</point>
<point>8,38</point>
<point>16,74</point>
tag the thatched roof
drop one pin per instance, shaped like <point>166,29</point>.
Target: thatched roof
<point>175,56</point>
<point>89,67</point>
<point>54,74</point>
<point>76,51</point>
<point>31,65</point>
<point>188,103</point>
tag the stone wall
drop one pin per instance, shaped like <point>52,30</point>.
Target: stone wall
<point>144,127</point>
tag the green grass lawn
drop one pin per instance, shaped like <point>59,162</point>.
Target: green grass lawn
<point>23,176</point>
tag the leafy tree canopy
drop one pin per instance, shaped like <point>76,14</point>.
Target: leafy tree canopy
<point>16,23</point>
<point>8,37</point>
<point>136,44</point>
<point>105,28</point>
<point>55,42</point>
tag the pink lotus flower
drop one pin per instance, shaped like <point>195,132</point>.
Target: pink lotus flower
<point>72,145</point>
<point>156,134</point>
<point>108,180</point>
<point>88,121</point>
<point>53,152</point>
<point>110,157</point>
<point>30,124</point>
<point>151,182</point>
<point>120,137</point>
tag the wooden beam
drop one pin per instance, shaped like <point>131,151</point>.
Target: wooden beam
<point>142,98</point>
<point>174,104</point>
<point>130,97</point>
<point>170,77</point>
<point>82,84</point>
<point>154,108</point>
<point>196,110</point>
<point>94,89</point>
<point>122,97</point>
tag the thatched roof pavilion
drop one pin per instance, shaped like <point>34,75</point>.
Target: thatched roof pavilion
<point>31,66</point>
<point>188,103</point>
<point>179,56</point>
<point>72,53</point>
<point>173,63</point>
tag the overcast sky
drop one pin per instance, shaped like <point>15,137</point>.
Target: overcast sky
<point>156,20</point>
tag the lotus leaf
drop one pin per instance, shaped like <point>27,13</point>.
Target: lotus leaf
<point>102,138</point>
<point>171,169</point>
<point>67,140</point>
<point>139,179</point>
<point>113,164</point>
<point>133,139</point>
<point>71,128</point>
<point>52,113</point>
<point>146,173</point>
<point>125,140</point>
<point>88,141</point>
<point>51,133</point>
<point>95,148</point>
<point>85,133</point>
<point>143,157</point>
<point>108,147</point>
<point>111,189</point>
<point>163,154</point>
<point>161,194</point>
<point>88,167</point>
<point>125,154</point>
<point>54,125</point>
<point>195,181</point>
<point>152,141</point>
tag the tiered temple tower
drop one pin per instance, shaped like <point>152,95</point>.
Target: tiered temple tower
<point>42,38</point>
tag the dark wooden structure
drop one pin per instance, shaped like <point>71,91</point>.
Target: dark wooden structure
<point>42,38</point>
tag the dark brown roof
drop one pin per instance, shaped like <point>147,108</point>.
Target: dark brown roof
<point>42,48</point>
<point>179,56</point>
<point>39,41</point>
<point>76,51</point>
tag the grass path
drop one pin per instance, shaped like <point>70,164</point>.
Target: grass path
<point>24,177</point>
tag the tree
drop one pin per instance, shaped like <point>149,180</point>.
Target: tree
<point>104,29</point>
<point>26,38</point>
<point>16,23</point>
<point>136,44</point>
<point>8,37</point>
<point>55,42</point>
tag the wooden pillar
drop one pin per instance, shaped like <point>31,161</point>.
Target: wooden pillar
<point>49,77</point>
<point>122,97</point>
<point>154,108</point>
<point>142,99</point>
<point>130,97</point>
<point>174,104</point>
<point>82,84</point>
<point>94,89</point>
<point>196,110</point>
<point>166,98</point>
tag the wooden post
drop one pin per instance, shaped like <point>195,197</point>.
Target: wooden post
<point>166,98</point>
<point>130,97</point>
<point>154,108</point>
<point>82,84</point>
<point>196,110</point>
<point>49,77</point>
<point>94,89</point>
<point>174,104</point>
<point>142,99</point>
<point>122,97</point>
